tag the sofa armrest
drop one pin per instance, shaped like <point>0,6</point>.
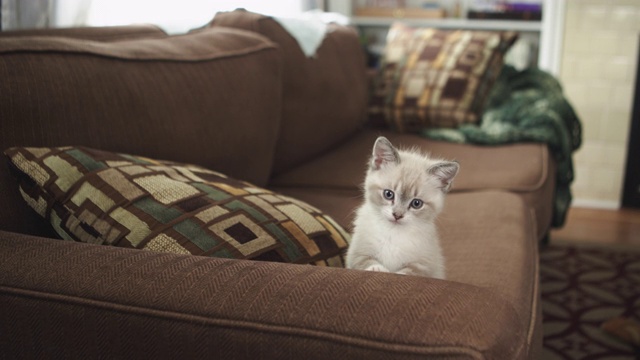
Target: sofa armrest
<point>97,33</point>
<point>86,301</point>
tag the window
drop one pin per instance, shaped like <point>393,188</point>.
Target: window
<point>174,16</point>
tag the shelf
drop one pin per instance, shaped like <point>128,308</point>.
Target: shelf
<point>515,25</point>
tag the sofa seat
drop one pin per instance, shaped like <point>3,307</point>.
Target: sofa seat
<point>477,251</point>
<point>146,305</point>
<point>528,174</point>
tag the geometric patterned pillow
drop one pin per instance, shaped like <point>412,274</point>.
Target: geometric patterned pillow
<point>436,78</point>
<point>130,201</point>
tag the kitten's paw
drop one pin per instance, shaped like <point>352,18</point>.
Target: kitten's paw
<point>377,267</point>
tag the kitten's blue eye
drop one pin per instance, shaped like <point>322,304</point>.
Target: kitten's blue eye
<point>416,203</point>
<point>388,194</point>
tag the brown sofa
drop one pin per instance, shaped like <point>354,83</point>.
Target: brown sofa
<point>251,105</point>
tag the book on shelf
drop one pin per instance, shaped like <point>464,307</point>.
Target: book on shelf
<point>401,12</point>
<point>505,15</point>
<point>412,9</point>
<point>506,10</point>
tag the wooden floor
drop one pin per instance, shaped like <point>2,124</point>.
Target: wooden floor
<point>601,226</point>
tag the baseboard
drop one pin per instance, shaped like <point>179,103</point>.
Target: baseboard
<point>596,204</point>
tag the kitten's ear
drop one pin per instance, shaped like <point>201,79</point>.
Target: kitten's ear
<point>383,153</point>
<point>445,171</point>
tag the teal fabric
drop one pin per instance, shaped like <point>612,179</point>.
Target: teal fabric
<point>527,106</point>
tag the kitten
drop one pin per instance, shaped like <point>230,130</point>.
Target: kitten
<point>394,229</point>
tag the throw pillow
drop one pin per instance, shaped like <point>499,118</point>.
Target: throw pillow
<point>436,78</point>
<point>130,201</point>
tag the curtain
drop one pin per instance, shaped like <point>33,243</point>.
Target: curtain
<point>20,14</point>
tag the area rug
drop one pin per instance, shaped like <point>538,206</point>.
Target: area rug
<point>583,287</point>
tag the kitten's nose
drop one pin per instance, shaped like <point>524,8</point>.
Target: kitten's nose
<point>398,216</point>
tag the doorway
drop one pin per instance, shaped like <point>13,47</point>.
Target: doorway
<point>631,192</point>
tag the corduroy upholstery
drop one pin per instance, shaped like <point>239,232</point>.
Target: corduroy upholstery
<point>225,99</point>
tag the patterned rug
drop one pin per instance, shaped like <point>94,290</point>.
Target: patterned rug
<point>584,287</point>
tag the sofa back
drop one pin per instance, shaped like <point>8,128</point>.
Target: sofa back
<point>103,33</point>
<point>210,98</point>
<point>324,96</point>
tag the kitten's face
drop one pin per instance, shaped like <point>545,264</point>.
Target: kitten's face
<point>403,194</point>
<point>406,187</point>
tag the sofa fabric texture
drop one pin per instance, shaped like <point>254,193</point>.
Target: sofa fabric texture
<point>106,34</point>
<point>525,169</point>
<point>128,201</point>
<point>197,307</point>
<point>159,98</point>
<point>334,77</point>
<point>239,98</point>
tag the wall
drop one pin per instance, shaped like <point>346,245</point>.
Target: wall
<point>598,67</point>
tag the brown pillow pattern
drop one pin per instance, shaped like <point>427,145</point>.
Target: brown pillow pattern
<point>130,201</point>
<point>436,78</point>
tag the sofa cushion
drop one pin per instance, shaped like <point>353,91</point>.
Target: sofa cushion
<point>488,240</point>
<point>436,78</point>
<point>525,169</point>
<point>496,224</point>
<point>185,98</point>
<point>130,201</point>
<point>324,96</point>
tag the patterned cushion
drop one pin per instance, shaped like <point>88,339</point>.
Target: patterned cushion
<point>130,201</point>
<point>436,78</point>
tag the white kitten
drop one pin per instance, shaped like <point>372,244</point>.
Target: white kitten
<point>394,230</point>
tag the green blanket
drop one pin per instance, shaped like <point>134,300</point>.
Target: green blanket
<point>527,106</point>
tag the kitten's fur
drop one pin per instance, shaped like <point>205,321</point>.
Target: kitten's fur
<point>395,231</point>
